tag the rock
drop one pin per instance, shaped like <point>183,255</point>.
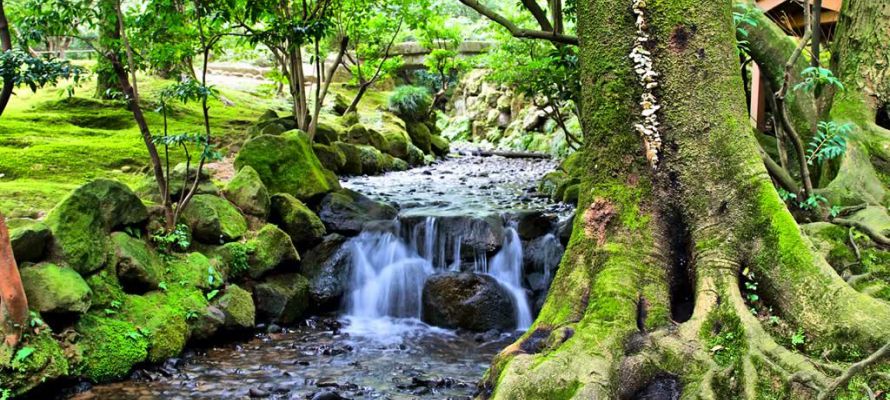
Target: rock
<point>214,220</point>
<point>272,128</point>
<point>247,192</point>
<point>482,234</point>
<point>533,224</point>
<point>282,298</point>
<point>571,194</point>
<point>341,104</point>
<point>564,230</point>
<point>331,157</point>
<point>258,393</point>
<point>468,301</point>
<point>268,115</point>
<point>415,156</point>
<point>162,321</point>
<point>301,224</point>
<point>345,211</point>
<point>138,267</point>
<point>81,222</point>
<point>373,161</point>
<point>29,240</point>
<point>439,145</point>
<point>551,181</point>
<point>109,348</point>
<point>55,290</point>
<point>326,266</point>
<point>327,132</point>
<point>420,136</point>
<point>358,134</point>
<point>353,164</point>
<point>327,395</point>
<point>194,270</point>
<point>238,307</point>
<point>46,363</point>
<point>149,188</point>
<point>349,119</point>
<point>271,248</point>
<point>542,254</point>
<point>287,164</point>
<point>207,323</point>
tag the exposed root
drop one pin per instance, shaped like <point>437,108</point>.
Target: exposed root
<point>876,236</point>
<point>854,369</point>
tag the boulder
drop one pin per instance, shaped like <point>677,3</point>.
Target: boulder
<point>55,290</point>
<point>301,224</point>
<point>282,299</point>
<point>214,220</point>
<point>341,104</point>
<point>161,320</point>
<point>420,136</point>
<point>177,183</point>
<point>542,255</point>
<point>80,223</point>
<point>195,270</point>
<point>483,234</point>
<point>330,156</point>
<point>139,269</point>
<point>551,181</point>
<point>268,115</point>
<point>271,248</point>
<point>349,119</point>
<point>327,132</point>
<point>469,301</point>
<point>531,224</point>
<point>358,134</point>
<point>373,161</point>
<point>571,193</point>
<point>247,192</point>
<point>326,266</point>
<point>353,155</point>
<point>29,239</point>
<point>287,164</point>
<point>46,363</point>
<point>415,156</point>
<point>238,307</point>
<point>345,211</point>
<point>439,145</point>
<point>109,348</point>
<point>207,323</point>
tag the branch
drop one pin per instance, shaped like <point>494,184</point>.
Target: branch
<point>539,14</point>
<point>878,237</point>
<point>882,353</point>
<point>778,173</point>
<point>517,31</point>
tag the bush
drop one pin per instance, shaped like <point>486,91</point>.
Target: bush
<point>411,102</point>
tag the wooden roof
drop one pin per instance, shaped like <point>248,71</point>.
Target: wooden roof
<point>790,16</point>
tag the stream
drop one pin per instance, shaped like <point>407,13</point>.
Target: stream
<point>456,215</point>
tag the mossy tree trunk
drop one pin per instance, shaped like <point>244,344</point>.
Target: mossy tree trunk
<point>650,283</point>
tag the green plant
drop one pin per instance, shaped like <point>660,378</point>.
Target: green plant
<point>798,338</point>
<point>815,78</point>
<point>162,286</point>
<point>212,294</point>
<point>34,319</point>
<point>786,195</point>
<point>411,102</point>
<point>22,354</point>
<point>830,142</point>
<point>240,261</point>
<point>744,16</point>
<point>191,315</point>
<point>177,239</point>
<point>5,394</point>
<point>812,202</point>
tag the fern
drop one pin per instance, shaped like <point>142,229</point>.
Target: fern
<point>830,142</point>
<point>816,78</point>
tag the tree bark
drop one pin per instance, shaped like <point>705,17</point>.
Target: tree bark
<point>12,294</point>
<point>5,45</point>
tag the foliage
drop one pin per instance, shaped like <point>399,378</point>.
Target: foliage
<point>412,102</point>
<point>815,78</point>
<point>744,16</point>
<point>177,239</point>
<point>442,39</point>
<point>829,142</point>
<point>240,257</point>
<point>23,69</point>
<point>812,202</point>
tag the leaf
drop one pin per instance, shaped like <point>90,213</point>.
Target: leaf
<point>212,294</point>
<point>23,353</point>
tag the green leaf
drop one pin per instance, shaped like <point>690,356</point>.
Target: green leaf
<point>23,353</point>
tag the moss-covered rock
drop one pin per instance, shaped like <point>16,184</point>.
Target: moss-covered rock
<point>353,154</point>
<point>571,194</point>
<point>107,290</point>
<point>282,298</point>
<point>359,134</point>
<point>161,321</point>
<point>346,211</point>
<point>551,181</point>
<point>139,269</point>
<point>238,307</point>
<point>420,136</point>
<point>195,270</point>
<point>108,348</point>
<point>328,132</point>
<point>45,363</point>
<point>287,164</point>
<point>341,104</point>
<point>271,247</point>
<point>81,222</point>
<point>331,157</point>
<point>298,221</point>
<point>29,239</point>
<point>349,119</point>
<point>247,192</point>
<point>373,161</point>
<point>56,290</point>
<point>206,323</point>
<point>439,145</point>
<point>178,183</point>
<point>212,219</point>
<point>268,115</point>
<point>415,156</point>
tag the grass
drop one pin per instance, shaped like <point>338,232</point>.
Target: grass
<point>50,143</point>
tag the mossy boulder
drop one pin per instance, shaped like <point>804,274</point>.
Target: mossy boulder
<point>81,222</point>
<point>139,269</point>
<point>439,145</point>
<point>271,247</point>
<point>212,219</point>
<point>349,119</point>
<point>551,181</point>
<point>56,290</point>
<point>328,132</point>
<point>353,154</point>
<point>195,270</point>
<point>415,156</point>
<point>178,183</point>
<point>373,161</point>
<point>109,348</point>
<point>29,240</point>
<point>247,192</point>
<point>358,134</point>
<point>341,104</point>
<point>298,221</point>
<point>571,194</point>
<point>46,363</point>
<point>268,115</point>
<point>161,321</point>
<point>106,288</point>
<point>207,323</point>
<point>331,156</point>
<point>420,136</point>
<point>282,298</point>
<point>346,211</point>
<point>287,164</point>
<point>475,302</point>
<point>238,307</point>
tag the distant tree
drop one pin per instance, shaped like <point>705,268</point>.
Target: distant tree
<point>443,62</point>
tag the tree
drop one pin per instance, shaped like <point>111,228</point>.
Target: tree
<point>12,294</point>
<point>677,218</point>
<point>443,61</point>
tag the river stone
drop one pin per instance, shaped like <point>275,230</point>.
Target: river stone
<point>415,156</point>
<point>345,211</point>
<point>469,301</point>
<point>353,155</point>
<point>247,192</point>
<point>373,161</point>
<point>207,323</point>
<point>238,307</point>
<point>287,164</point>
<point>271,247</point>
<point>138,267</point>
<point>214,220</point>
<point>476,233</point>
<point>301,224</point>
<point>551,181</point>
<point>420,136</point>
<point>439,145</point>
<point>29,239</point>
<point>326,266</point>
<point>331,156</point>
<point>540,253</point>
<point>282,299</point>
<point>358,134</point>
<point>55,290</point>
<point>80,223</point>
<point>531,224</point>
<point>341,104</point>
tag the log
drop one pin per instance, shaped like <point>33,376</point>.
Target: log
<point>507,154</point>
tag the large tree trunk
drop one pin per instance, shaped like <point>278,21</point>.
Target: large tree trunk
<point>652,244</point>
<point>5,45</point>
<point>13,303</point>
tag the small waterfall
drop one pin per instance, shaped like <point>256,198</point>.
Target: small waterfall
<point>506,267</point>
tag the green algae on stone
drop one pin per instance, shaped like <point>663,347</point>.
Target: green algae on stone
<point>56,290</point>
<point>29,240</point>
<point>247,192</point>
<point>108,347</point>
<point>420,136</point>
<point>439,145</point>
<point>138,267</point>
<point>297,220</point>
<point>353,164</point>
<point>238,307</point>
<point>194,270</point>
<point>45,363</point>
<point>212,219</point>
<point>271,247</point>
<point>282,298</point>
<point>160,320</point>
<point>331,157</point>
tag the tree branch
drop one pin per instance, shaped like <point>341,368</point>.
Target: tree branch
<point>517,31</point>
<point>539,14</point>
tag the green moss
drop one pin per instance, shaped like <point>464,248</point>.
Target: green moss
<point>420,136</point>
<point>54,289</point>
<point>247,192</point>
<point>283,298</point>
<point>45,363</point>
<point>298,221</point>
<point>137,264</point>
<point>194,270</point>
<point>271,247</point>
<point>237,305</point>
<point>108,348</point>
<point>331,157</point>
<point>212,219</point>
<point>162,321</point>
<point>353,154</point>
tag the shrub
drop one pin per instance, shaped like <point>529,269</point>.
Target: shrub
<point>411,102</point>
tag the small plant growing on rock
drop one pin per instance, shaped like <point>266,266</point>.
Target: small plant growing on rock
<point>411,102</point>
<point>177,239</point>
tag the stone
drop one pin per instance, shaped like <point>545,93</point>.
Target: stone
<point>469,301</point>
<point>162,321</point>
<point>207,323</point>
<point>287,164</point>
<point>330,156</point>
<point>80,223</point>
<point>283,298</point>
<point>353,162</point>
<point>268,115</point>
<point>29,240</point>
<point>109,348</point>
<point>350,119</point>
<point>420,136</point>
<point>373,161</point>
<point>415,156</point>
<point>439,145</point>
<point>247,192</point>
<point>238,307</point>
<point>55,290</point>
<point>272,247</point>
<point>358,134</point>
<point>214,220</point>
<point>483,234</point>
<point>326,266</point>
<point>341,104</point>
<point>139,269</point>
<point>301,224</point>
<point>551,181</point>
<point>327,132</point>
<point>532,224</point>
<point>345,211</point>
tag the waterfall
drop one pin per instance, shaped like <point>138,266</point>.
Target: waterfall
<point>506,267</point>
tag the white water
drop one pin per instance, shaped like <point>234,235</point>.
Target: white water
<point>388,273</point>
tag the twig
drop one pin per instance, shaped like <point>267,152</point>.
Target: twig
<point>517,31</point>
<point>853,244</point>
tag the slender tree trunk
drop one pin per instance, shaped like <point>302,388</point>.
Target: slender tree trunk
<point>362,89</point>
<point>5,45</point>
<point>12,294</point>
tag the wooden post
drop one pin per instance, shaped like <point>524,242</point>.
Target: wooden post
<point>758,98</point>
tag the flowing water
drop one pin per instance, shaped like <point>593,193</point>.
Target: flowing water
<point>452,218</point>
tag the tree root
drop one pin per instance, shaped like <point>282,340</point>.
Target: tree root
<point>875,236</point>
<point>854,369</point>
